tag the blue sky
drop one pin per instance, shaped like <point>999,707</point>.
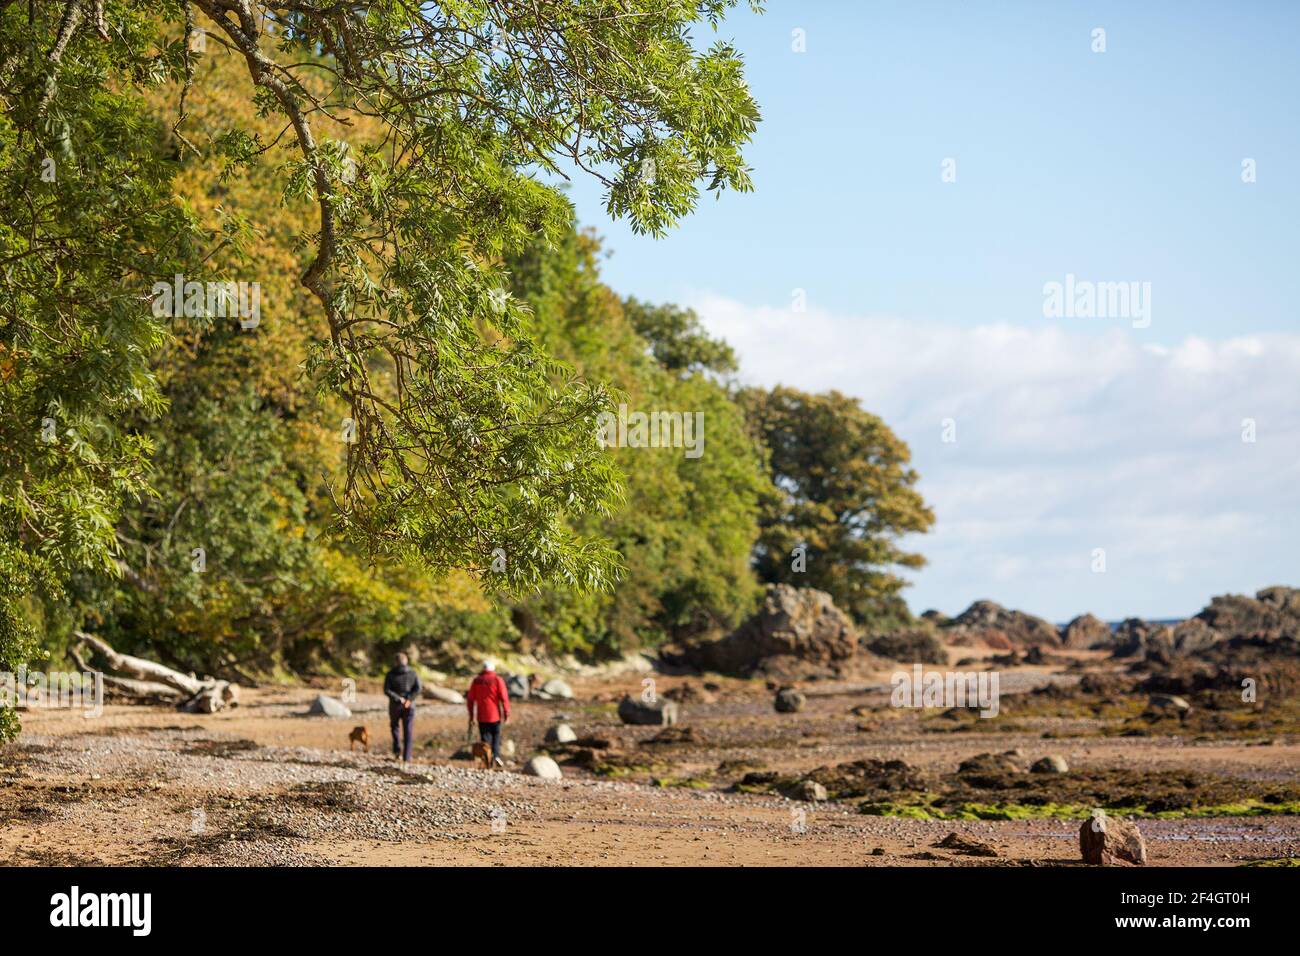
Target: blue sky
<point>925,298</point>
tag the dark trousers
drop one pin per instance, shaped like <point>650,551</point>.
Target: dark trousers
<point>490,732</point>
<point>405,720</point>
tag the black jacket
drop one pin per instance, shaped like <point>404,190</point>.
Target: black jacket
<point>402,683</point>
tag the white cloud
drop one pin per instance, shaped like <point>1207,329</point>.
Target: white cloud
<point>1067,440</point>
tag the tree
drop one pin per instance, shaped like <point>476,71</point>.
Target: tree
<point>470,441</point>
<point>677,340</point>
<point>87,222</point>
<point>843,493</point>
<point>687,525</point>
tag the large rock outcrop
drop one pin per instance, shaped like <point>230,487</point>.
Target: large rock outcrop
<point>1085,632</point>
<point>1271,617</point>
<point>1273,612</point>
<point>996,625</point>
<point>796,633</point>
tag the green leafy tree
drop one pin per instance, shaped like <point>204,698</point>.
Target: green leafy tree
<point>678,340</point>
<point>687,525</point>
<point>843,493</point>
<point>470,439</point>
<point>87,223</point>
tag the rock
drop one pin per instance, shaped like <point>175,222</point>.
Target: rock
<point>875,779</point>
<point>1021,629</point>
<point>991,771</point>
<point>789,701</point>
<point>810,791</point>
<point>557,689</point>
<point>675,735</point>
<point>1106,840</point>
<point>965,846</point>
<point>634,710</point>
<point>324,706</point>
<point>1136,638</point>
<point>796,631</point>
<point>910,645</point>
<point>1274,612</point>
<point>1086,632</point>
<point>688,693</point>
<point>507,748</point>
<point>1192,636</point>
<point>517,686</point>
<point>991,763</point>
<point>544,767</point>
<point>1052,763</point>
<point>1168,704</point>
<point>560,734</point>
<point>444,694</point>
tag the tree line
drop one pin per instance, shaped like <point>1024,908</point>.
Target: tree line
<point>401,448</point>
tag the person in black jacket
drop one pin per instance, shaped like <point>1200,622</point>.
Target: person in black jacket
<point>402,687</point>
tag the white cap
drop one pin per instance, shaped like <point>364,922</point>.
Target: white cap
<point>489,665</point>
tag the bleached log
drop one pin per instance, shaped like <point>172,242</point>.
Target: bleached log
<point>194,695</point>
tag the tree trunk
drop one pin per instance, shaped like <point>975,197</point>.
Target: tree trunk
<point>194,695</point>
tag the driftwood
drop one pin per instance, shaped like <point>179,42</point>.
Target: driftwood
<point>137,691</point>
<point>147,677</point>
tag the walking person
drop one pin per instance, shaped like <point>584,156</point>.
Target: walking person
<point>488,702</point>
<point>402,687</point>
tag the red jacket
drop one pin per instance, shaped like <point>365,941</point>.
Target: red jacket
<point>488,696</point>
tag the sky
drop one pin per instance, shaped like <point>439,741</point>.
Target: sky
<point>923,172</point>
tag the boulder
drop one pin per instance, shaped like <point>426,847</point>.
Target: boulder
<point>1106,841</point>
<point>507,748</point>
<point>560,734</point>
<point>1086,632</point>
<point>993,771</point>
<point>324,706</point>
<point>966,846</point>
<point>1137,638</point>
<point>810,791</point>
<point>912,645</point>
<point>557,690</point>
<point>1020,628</point>
<point>675,735</point>
<point>789,701</point>
<point>443,694</point>
<point>1052,763</point>
<point>544,767</point>
<point>517,686</point>
<point>796,631</point>
<point>662,712</point>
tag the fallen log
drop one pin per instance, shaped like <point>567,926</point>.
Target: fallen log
<point>138,691</point>
<point>194,695</point>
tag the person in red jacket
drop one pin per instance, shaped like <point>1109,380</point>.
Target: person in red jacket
<point>488,702</point>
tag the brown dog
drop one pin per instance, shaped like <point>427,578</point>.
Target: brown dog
<point>359,735</point>
<point>482,753</point>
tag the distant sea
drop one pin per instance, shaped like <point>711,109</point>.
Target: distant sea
<point>1171,621</point>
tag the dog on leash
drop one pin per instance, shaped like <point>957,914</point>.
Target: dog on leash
<point>359,735</point>
<point>482,753</point>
